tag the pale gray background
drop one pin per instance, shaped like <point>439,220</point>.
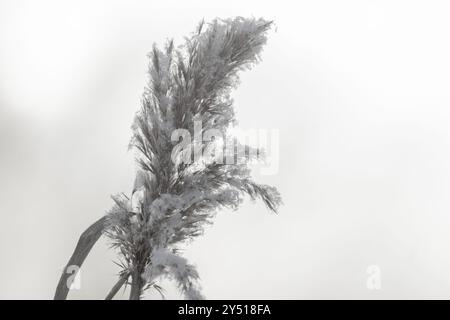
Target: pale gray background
<point>358,89</point>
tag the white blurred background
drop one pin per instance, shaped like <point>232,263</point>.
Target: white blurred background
<point>358,90</point>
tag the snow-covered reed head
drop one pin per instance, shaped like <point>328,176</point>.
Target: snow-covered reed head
<point>172,200</point>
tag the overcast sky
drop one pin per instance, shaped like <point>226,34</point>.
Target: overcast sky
<point>357,89</point>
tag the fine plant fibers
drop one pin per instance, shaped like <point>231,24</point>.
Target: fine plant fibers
<point>172,199</point>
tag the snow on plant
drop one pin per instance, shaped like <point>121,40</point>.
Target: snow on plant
<point>173,199</point>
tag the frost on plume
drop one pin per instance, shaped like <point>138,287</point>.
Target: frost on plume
<point>173,200</point>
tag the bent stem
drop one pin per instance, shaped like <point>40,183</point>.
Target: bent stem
<point>87,240</point>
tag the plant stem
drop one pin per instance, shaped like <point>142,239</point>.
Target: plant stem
<point>136,285</point>
<point>87,240</point>
<point>122,280</point>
